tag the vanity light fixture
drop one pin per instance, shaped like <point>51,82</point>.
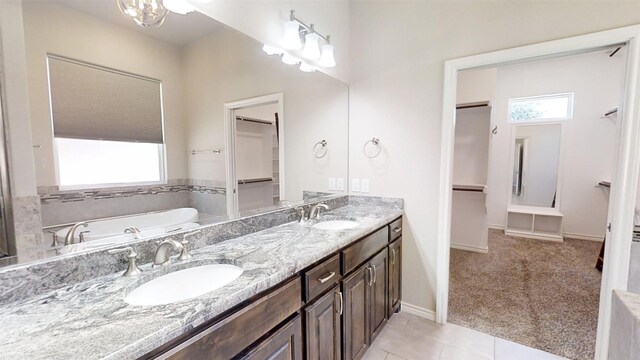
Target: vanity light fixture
<point>146,13</point>
<point>290,59</point>
<point>272,50</point>
<point>295,30</point>
<point>181,7</point>
<point>307,68</point>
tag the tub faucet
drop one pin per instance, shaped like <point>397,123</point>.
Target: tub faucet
<point>69,239</point>
<point>314,213</point>
<point>133,230</point>
<point>162,253</point>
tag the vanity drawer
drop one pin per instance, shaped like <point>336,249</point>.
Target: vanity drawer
<point>395,230</point>
<point>321,277</point>
<point>359,252</point>
<point>230,336</point>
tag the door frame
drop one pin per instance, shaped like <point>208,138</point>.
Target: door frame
<point>625,177</point>
<point>230,144</point>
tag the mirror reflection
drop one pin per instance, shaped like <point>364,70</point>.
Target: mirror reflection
<point>185,124</point>
<point>535,166</point>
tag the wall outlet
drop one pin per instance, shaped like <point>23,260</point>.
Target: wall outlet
<point>332,184</point>
<point>340,184</point>
<point>355,185</point>
<point>364,185</point>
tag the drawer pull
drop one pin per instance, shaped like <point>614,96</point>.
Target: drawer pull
<point>397,229</point>
<point>370,282</point>
<point>327,278</point>
<point>375,274</point>
<point>341,303</point>
<point>393,256</point>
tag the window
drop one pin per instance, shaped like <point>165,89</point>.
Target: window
<point>83,163</point>
<point>541,108</point>
<point>107,125</point>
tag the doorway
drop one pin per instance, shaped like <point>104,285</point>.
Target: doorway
<point>625,176</point>
<point>255,153</point>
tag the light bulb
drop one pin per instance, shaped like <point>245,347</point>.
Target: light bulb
<point>311,50</point>
<point>307,68</point>
<point>327,59</point>
<point>291,39</point>
<point>181,7</point>
<point>290,60</point>
<point>272,50</point>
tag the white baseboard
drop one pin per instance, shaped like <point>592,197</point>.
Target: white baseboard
<point>418,311</point>
<point>470,248</point>
<point>496,227</point>
<point>584,237</point>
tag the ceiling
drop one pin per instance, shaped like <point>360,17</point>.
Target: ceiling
<point>177,29</point>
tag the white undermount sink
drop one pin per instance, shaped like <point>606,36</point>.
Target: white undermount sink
<point>336,225</point>
<point>183,284</point>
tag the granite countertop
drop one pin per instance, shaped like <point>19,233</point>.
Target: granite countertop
<point>90,320</point>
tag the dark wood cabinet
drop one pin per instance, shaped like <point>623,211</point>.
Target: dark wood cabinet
<point>395,276</point>
<point>365,300</point>
<point>378,294</point>
<point>284,344</point>
<point>355,290</point>
<point>324,331</point>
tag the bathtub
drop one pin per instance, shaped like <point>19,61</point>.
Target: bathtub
<point>111,231</point>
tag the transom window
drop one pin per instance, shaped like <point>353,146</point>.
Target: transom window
<point>544,108</point>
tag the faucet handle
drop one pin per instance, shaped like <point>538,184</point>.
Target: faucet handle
<point>132,269</point>
<point>184,254</point>
<point>302,214</point>
<point>54,236</point>
<point>81,236</point>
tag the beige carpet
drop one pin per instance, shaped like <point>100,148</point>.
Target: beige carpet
<point>537,293</point>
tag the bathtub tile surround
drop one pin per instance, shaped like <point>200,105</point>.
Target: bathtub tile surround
<point>27,227</point>
<point>61,207</point>
<point>54,273</point>
<point>97,323</point>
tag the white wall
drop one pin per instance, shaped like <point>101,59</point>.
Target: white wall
<point>588,140</point>
<point>264,21</point>
<point>51,28</point>
<point>477,85</point>
<point>397,54</point>
<point>228,66</point>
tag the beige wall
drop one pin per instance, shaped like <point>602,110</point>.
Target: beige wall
<point>228,66</point>
<point>50,28</point>
<point>397,54</point>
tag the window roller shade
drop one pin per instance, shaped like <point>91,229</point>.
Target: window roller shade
<point>89,102</point>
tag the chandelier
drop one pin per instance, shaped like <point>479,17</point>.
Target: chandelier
<point>146,13</point>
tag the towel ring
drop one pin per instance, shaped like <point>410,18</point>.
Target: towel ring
<point>322,144</point>
<point>376,142</point>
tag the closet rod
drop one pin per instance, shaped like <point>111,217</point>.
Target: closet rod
<point>251,181</point>
<point>469,188</point>
<point>472,105</point>
<point>244,118</point>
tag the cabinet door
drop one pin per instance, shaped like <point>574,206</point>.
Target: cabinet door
<point>355,290</point>
<point>284,344</point>
<point>378,297</point>
<point>395,273</point>
<point>324,333</point>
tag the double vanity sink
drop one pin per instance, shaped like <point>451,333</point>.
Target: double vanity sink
<point>192,282</point>
<point>232,265</point>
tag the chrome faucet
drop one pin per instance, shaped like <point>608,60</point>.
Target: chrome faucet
<point>69,239</point>
<point>303,216</point>
<point>133,230</point>
<point>162,253</point>
<point>314,213</point>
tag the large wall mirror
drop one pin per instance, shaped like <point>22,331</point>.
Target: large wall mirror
<point>536,160</point>
<point>140,132</point>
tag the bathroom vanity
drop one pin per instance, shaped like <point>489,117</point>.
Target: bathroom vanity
<point>345,298</point>
<point>305,292</point>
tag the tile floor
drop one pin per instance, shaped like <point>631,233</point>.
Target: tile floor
<point>408,337</point>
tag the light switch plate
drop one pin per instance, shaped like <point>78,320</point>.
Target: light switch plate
<point>355,185</point>
<point>332,184</point>
<point>364,185</point>
<point>340,184</point>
